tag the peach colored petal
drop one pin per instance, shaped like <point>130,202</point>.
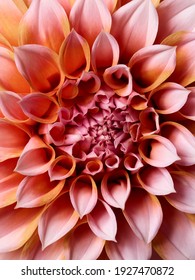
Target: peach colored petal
<point>39,66</point>
<point>144,214</point>
<point>128,245</point>
<point>17,226</point>
<point>36,158</point>
<point>149,121</point>
<point>8,69</point>
<point>119,78</point>
<point>115,188</point>
<point>13,255</point>
<point>48,18</point>
<point>102,221</point>
<point>88,83</point>
<point>13,139</point>
<point>56,133</point>
<point>158,151</point>
<point>156,181</point>
<point>37,191</point>
<point>83,194</point>
<point>93,167</point>
<point>109,57</point>
<point>89,246</point>
<point>74,55</point>
<point>188,110</point>
<point>95,12</point>
<point>69,90</point>
<point>137,101</point>
<point>67,5</point>
<point>151,66</point>
<point>59,218</point>
<point>62,168</point>
<point>132,162</point>
<point>4,42</point>
<point>134,26</point>
<point>168,98</point>
<point>182,139</point>
<point>111,4</point>
<point>176,237</point>
<point>45,111</point>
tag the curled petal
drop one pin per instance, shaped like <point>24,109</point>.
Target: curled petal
<point>109,57</point>
<point>168,98</point>
<point>37,191</point>
<point>134,26</point>
<point>45,111</point>
<point>182,139</point>
<point>69,90</point>
<point>49,18</point>
<point>135,131</point>
<point>56,133</point>
<point>83,194</point>
<point>132,162</point>
<point>102,221</point>
<point>151,66</point>
<point>188,110</point>
<point>158,151</point>
<point>146,219</point>
<point>157,181</point>
<point>96,13</point>
<point>119,79</point>
<point>93,167</point>
<point>89,246</point>
<point>184,198</point>
<point>39,66</point>
<point>149,120</point>
<point>36,158</point>
<point>128,245</point>
<point>62,168</point>
<point>112,162</point>
<point>59,218</point>
<point>115,188</point>
<point>137,101</point>
<point>74,55</point>
<point>88,83</point>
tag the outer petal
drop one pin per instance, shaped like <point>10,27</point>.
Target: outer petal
<point>57,220</point>
<point>188,110</point>
<point>151,66</point>
<point>182,139</point>
<point>111,4</point>
<point>39,66</point>
<point>128,245</point>
<point>144,214</point>
<point>157,151</point>
<point>134,26</point>
<point>74,55</point>
<point>156,181</point>
<point>36,158</point>
<point>115,188</point>
<point>95,12</point>
<point>83,194</point>
<point>102,221</point>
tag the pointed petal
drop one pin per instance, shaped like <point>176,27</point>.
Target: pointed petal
<point>134,26</point>
<point>59,218</point>
<point>149,120</point>
<point>115,188</point>
<point>102,221</point>
<point>156,181</point>
<point>188,110</point>
<point>39,66</point>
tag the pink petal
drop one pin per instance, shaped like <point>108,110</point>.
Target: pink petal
<point>17,226</point>
<point>59,218</point>
<point>115,188</point>
<point>83,194</point>
<point>4,42</point>
<point>176,237</point>
<point>39,66</point>
<point>48,18</point>
<point>56,133</point>
<point>168,98</point>
<point>156,181</point>
<point>45,111</point>
<point>111,4</point>
<point>69,90</point>
<point>137,101</point>
<point>151,66</point>
<point>96,13</point>
<point>182,139</point>
<point>119,78</point>
<point>149,120</point>
<point>144,214</point>
<point>128,245</point>
<point>112,162</point>
<point>88,83</point>
<point>158,151</point>
<point>134,26</point>
<point>37,191</point>
<point>36,158</point>
<point>132,162</point>
<point>74,55</point>
<point>102,221</point>
<point>188,110</point>
<point>93,167</point>
<point>84,244</point>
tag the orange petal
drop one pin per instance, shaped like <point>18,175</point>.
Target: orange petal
<point>39,66</point>
<point>88,83</point>
<point>137,101</point>
<point>188,110</point>
<point>93,167</point>
<point>48,18</point>
<point>69,90</point>
<point>74,55</point>
<point>111,4</point>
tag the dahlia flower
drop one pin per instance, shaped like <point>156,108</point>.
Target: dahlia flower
<point>97,147</point>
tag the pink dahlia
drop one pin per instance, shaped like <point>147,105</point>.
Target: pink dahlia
<point>97,147</point>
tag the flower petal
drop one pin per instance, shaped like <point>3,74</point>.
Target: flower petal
<point>149,120</point>
<point>188,110</point>
<point>88,83</point>
<point>93,167</point>
<point>132,162</point>
<point>111,4</point>
<point>144,214</point>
